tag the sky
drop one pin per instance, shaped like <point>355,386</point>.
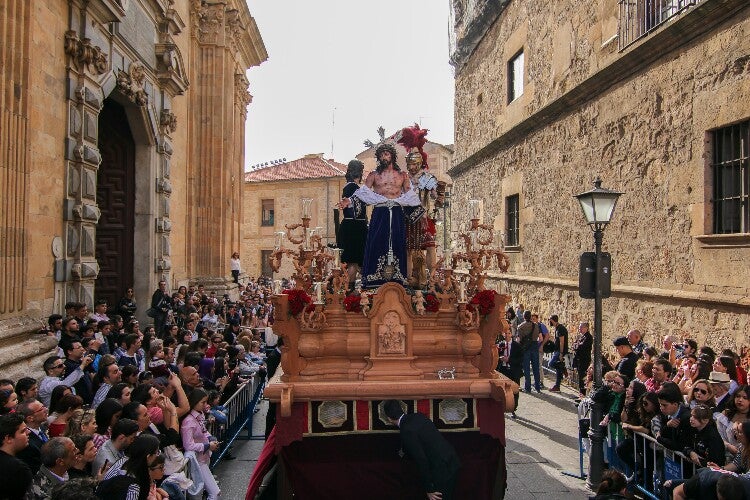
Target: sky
<point>339,69</point>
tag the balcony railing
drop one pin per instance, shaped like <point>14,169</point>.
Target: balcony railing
<point>638,18</point>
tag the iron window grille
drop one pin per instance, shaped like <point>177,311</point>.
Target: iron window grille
<point>638,18</point>
<point>512,224</point>
<point>730,165</point>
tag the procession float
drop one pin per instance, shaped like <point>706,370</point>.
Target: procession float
<point>431,346</point>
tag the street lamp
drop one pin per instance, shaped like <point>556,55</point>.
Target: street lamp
<point>598,205</point>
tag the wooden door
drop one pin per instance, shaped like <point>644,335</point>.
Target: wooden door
<point>115,194</point>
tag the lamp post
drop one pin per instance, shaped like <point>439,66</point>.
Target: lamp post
<point>598,205</point>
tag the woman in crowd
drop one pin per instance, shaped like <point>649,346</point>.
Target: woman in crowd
<point>705,443</point>
<point>107,415</point>
<point>701,394</point>
<point>8,401</point>
<point>81,422</point>
<point>64,410</point>
<point>738,410</point>
<point>55,397</point>
<point>644,370</point>
<point>195,438</point>
<point>650,354</point>
<point>130,477</point>
<point>725,364</point>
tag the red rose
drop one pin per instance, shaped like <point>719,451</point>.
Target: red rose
<point>298,299</point>
<point>432,303</point>
<point>352,303</point>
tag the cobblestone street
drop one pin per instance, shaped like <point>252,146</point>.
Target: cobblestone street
<point>542,443</point>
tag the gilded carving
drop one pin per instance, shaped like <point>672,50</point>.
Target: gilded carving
<point>313,320</point>
<point>391,335</point>
<point>84,54</point>
<point>131,83</point>
<point>167,122</point>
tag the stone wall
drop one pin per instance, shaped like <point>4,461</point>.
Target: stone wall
<point>639,118</point>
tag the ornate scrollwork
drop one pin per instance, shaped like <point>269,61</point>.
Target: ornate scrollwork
<point>167,122</point>
<point>131,83</point>
<point>241,94</point>
<point>84,54</point>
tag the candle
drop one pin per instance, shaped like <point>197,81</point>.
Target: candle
<point>461,291</point>
<point>475,209</point>
<point>336,258</point>
<point>306,204</point>
<point>279,239</point>
<point>319,292</point>
<point>447,260</point>
<point>277,287</point>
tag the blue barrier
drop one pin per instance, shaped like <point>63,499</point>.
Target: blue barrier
<point>240,410</point>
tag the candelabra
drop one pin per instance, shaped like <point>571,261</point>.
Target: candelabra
<point>310,259</point>
<point>478,253</point>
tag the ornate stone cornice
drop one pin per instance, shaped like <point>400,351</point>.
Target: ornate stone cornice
<point>170,70</point>
<point>131,83</point>
<point>84,55</point>
<point>167,122</point>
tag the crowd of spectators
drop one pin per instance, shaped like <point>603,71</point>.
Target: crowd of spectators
<point>688,398</point>
<point>125,412</point>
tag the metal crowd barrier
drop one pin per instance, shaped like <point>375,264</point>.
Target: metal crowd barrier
<point>654,464</point>
<point>240,410</point>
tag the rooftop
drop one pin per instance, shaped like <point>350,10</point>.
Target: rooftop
<point>310,166</point>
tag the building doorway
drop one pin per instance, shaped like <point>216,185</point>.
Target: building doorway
<point>115,195</point>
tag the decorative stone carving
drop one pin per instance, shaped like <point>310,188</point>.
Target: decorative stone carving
<point>242,96</point>
<point>313,320</point>
<point>167,122</point>
<point>163,186</point>
<point>73,240</point>
<point>84,54</point>
<point>131,83</point>
<point>88,212</point>
<point>85,270</point>
<point>209,20</point>
<point>163,264</point>
<point>163,225</point>
<point>391,335</point>
<point>170,68</point>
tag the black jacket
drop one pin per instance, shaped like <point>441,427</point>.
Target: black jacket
<point>676,438</point>
<point>626,366</point>
<point>436,459</point>
<point>515,360</point>
<point>31,454</point>
<point>707,443</point>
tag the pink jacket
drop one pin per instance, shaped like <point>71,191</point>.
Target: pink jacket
<point>195,437</point>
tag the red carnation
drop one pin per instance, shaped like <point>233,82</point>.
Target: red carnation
<point>353,303</point>
<point>432,303</point>
<point>485,301</point>
<point>298,299</point>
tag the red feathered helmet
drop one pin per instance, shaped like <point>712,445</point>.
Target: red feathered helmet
<point>414,138</point>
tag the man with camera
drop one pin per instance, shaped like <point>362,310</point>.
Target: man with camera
<point>75,358</point>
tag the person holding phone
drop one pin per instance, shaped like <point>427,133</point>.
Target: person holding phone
<point>197,439</point>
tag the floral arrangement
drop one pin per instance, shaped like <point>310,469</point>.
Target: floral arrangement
<point>298,299</point>
<point>432,303</point>
<point>484,301</point>
<point>310,308</point>
<point>353,303</point>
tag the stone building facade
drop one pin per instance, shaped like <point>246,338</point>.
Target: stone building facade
<point>122,152</point>
<point>273,199</point>
<point>549,95</point>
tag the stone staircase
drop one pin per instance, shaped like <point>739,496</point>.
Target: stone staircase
<point>22,349</point>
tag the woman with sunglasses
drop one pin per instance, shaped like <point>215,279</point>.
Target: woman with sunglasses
<point>81,422</point>
<point>701,394</point>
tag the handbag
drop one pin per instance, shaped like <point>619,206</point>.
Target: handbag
<point>151,312</point>
<point>549,347</point>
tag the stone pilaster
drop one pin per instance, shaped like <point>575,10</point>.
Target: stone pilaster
<point>222,33</point>
<point>14,165</point>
